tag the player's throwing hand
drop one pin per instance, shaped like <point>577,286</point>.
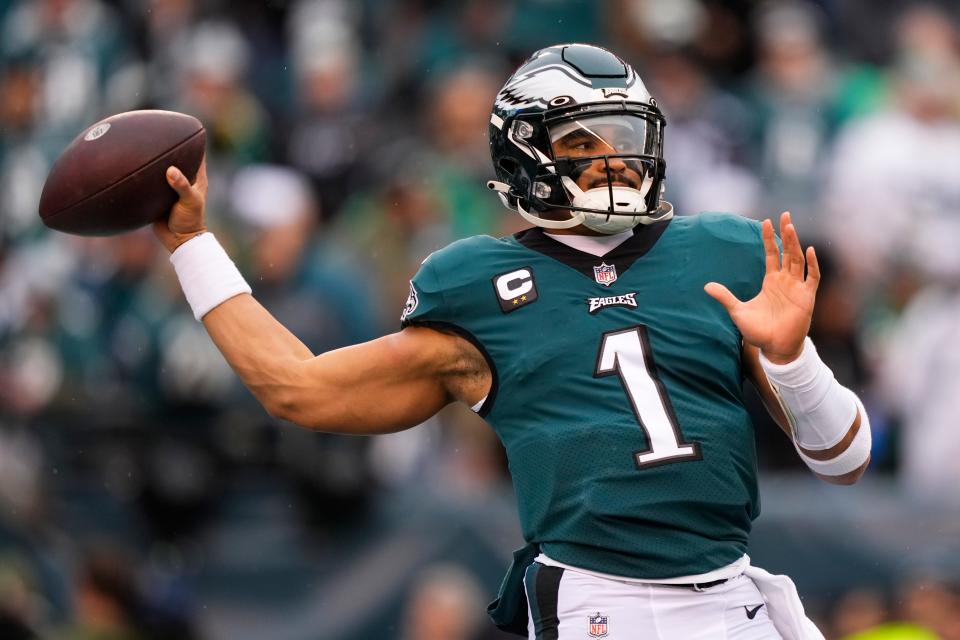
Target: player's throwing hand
<point>186,218</point>
<point>778,318</point>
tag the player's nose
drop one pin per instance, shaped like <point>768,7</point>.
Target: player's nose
<point>617,165</point>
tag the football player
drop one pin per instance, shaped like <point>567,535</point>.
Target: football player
<point>606,346</point>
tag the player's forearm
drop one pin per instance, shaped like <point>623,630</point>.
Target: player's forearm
<point>349,390</point>
<point>260,349</point>
<point>264,353</point>
<point>828,423</point>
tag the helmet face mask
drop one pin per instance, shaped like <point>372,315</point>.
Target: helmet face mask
<point>575,135</point>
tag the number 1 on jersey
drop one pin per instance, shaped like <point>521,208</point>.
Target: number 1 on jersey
<point>627,353</point>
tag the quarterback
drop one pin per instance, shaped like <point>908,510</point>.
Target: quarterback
<point>606,346</point>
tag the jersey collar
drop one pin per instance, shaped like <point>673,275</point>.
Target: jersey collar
<point>594,245</point>
<point>622,256</point>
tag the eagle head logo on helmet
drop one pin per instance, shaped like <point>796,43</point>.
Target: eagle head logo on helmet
<point>576,139</point>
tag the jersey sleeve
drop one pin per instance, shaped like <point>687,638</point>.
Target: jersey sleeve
<point>741,249</point>
<point>425,303</point>
<point>446,294</point>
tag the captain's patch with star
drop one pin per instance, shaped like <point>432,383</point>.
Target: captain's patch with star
<point>515,289</point>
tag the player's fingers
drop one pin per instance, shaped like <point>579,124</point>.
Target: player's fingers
<point>188,194</point>
<point>813,269</point>
<point>178,182</point>
<point>784,220</point>
<point>201,181</point>
<point>722,295</point>
<point>770,249</point>
<point>792,252</point>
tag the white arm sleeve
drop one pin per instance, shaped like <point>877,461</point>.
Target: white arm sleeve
<point>820,411</point>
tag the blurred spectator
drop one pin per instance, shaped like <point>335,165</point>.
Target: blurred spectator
<point>213,67</point>
<point>334,131</point>
<point>927,30</point>
<point>715,31</point>
<point>794,91</point>
<point>167,27</point>
<point>454,453</point>
<point>393,227</point>
<point>31,372</point>
<point>933,605</point>
<point>310,285</point>
<point>24,158</point>
<point>431,179</point>
<point>892,197</point>
<point>894,631</point>
<point>445,604</point>
<point>836,323</point>
<point>78,46</point>
<point>24,501</point>
<point>108,604</point>
<point>456,163</point>
<point>22,612</point>
<point>858,610</point>
<point>111,604</point>
<point>706,140</point>
<point>430,41</point>
<point>920,384</point>
<point>108,319</point>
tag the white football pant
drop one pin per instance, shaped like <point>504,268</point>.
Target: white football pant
<point>568,605</point>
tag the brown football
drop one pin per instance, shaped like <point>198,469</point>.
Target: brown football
<point>111,178</point>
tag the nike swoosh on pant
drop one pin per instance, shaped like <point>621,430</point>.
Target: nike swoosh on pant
<point>752,613</point>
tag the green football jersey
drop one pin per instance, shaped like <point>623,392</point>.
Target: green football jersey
<point>616,387</point>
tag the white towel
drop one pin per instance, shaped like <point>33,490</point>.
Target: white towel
<point>783,605</point>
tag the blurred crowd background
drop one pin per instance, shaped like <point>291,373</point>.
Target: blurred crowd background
<point>145,494</point>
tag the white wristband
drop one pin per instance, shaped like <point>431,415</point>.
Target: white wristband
<point>820,410</point>
<point>207,274</point>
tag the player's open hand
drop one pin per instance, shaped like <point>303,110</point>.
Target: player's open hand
<point>778,318</point>
<point>186,218</point>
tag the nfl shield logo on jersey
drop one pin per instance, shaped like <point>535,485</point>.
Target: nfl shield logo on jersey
<point>605,274</point>
<point>598,626</point>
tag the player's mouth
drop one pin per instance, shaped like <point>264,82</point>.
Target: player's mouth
<point>619,182</point>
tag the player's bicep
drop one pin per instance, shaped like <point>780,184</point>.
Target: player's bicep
<point>385,385</point>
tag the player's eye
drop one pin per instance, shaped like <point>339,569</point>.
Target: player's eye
<point>581,146</point>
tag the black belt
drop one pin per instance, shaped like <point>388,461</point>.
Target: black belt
<point>696,586</point>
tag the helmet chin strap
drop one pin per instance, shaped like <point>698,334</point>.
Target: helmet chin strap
<point>573,221</point>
